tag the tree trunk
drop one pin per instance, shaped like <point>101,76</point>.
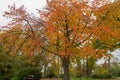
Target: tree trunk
<point>87,66</point>
<point>109,58</point>
<point>65,64</point>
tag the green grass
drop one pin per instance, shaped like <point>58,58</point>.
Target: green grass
<point>83,78</point>
<point>75,78</point>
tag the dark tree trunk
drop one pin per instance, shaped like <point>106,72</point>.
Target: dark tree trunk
<point>87,66</point>
<point>65,64</point>
<point>109,58</point>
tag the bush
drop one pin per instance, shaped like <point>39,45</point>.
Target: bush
<point>29,72</point>
<point>15,78</point>
<point>101,73</point>
<point>5,77</point>
<point>50,74</point>
<point>114,71</point>
<point>119,73</point>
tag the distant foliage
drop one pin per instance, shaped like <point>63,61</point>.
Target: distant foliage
<point>115,69</point>
<point>101,72</point>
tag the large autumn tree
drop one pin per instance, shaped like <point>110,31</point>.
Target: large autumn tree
<point>71,25</point>
<point>65,28</point>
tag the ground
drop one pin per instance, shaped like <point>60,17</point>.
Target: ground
<point>50,79</point>
<point>82,79</point>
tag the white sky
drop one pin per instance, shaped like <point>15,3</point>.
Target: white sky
<point>32,5</point>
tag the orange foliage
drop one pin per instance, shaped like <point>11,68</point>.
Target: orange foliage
<point>66,28</point>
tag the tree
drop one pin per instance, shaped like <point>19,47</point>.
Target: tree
<point>64,29</point>
<point>70,26</point>
<point>112,20</point>
<point>20,40</point>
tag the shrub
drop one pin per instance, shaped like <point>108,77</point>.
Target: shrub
<point>15,78</point>
<point>118,72</point>
<point>114,71</point>
<point>50,73</point>
<point>27,72</point>
<point>101,73</point>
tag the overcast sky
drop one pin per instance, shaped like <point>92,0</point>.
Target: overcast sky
<point>32,5</point>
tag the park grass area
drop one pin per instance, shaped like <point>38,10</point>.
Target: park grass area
<point>83,78</point>
<point>72,78</point>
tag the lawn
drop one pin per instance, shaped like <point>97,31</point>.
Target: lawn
<point>73,78</point>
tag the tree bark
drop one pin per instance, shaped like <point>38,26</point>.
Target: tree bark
<point>109,60</point>
<point>65,64</point>
<point>87,66</point>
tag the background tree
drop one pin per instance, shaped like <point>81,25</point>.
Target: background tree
<point>112,19</point>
